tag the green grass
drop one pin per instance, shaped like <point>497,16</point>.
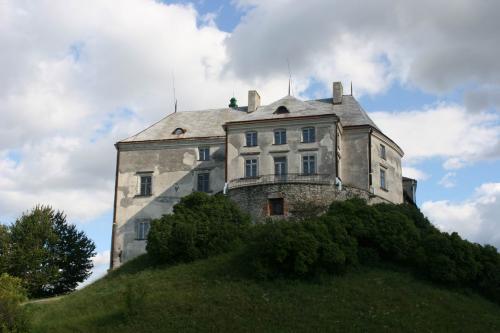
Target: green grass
<point>208,295</point>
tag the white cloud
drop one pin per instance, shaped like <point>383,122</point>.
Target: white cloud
<point>476,219</point>
<point>79,76</point>
<point>415,173</point>
<point>448,180</point>
<point>445,131</point>
<point>434,45</point>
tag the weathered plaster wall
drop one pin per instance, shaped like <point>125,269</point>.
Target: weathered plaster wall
<point>392,166</point>
<point>174,175</point>
<point>354,165</point>
<point>293,150</point>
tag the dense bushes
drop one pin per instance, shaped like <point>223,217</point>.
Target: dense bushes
<point>200,226</point>
<point>299,248</point>
<point>12,316</point>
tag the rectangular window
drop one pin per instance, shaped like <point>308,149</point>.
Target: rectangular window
<point>204,154</point>
<point>204,182</point>
<point>382,152</point>
<point>309,165</point>
<point>280,168</point>
<point>145,185</point>
<point>276,206</point>
<point>280,137</point>
<point>250,168</point>
<point>251,139</point>
<point>142,229</point>
<point>383,183</point>
<point>308,134</point>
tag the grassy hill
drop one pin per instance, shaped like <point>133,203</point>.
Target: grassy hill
<point>209,295</point>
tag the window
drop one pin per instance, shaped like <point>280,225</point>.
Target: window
<point>382,151</point>
<point>308,134</point>
<point>250,168</point>
<point>141,229</point>
<point>203,182</point>
<point>279,137</point>
<point>308,164</point>
<point>178,131</point>
<point>145,185</point>
<point>281,109</point>
<point>204,154</point>
<point>251,139</point>
<point>276,206</point>
<point>280,166</point>
<point>383,183</point>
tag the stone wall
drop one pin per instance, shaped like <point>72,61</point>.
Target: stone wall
<point>255,199</point>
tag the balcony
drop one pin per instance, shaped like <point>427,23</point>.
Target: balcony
<point>291,178</point>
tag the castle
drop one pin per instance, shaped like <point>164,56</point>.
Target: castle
<point>264,157</point>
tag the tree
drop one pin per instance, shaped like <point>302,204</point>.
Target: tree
<point>50,255</point>
<point>4,248</point>
<point>13,316</point>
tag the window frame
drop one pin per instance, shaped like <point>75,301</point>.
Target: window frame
<point>315,166</point>
<point>383,180</point>
<point>256,164</point>
<point>206,182</point>
<point>142,228</point>
<point>281,134</point>
<point>285,162</point>
<point>254,135</point>
<point>383,152</point>
<point>203,157</point>
<point>145,193</point>
<point>309,130</point>
<point>272,204</point>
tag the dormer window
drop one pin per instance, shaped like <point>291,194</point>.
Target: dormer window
<point>281,109</point>
<point>178,131</point>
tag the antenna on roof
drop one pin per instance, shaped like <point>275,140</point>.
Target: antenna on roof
<point>351,88</point>
<point>173,87</point>
<point>289,76</point>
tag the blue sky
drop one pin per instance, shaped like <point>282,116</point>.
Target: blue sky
<point>77,77</point>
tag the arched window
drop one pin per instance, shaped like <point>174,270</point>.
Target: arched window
<point>281,109</point>
<point>178,131</point>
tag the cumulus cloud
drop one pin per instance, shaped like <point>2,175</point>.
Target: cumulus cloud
<point>446,131</point>
<point>475,219</point>
<point>79,76</point>
<point>415,173</point>
<point>434,45</point>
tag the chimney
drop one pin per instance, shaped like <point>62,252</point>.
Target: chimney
<point>253,100</point>
<point>337,92</point>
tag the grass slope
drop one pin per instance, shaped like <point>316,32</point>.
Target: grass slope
<point>208,295</point>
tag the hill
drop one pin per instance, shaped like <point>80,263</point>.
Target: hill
<point>210,295</point>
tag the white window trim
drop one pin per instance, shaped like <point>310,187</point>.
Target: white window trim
<point>316,166</point>
<point>245,166</point>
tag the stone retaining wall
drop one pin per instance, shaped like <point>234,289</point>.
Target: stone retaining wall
<point>255,199</point>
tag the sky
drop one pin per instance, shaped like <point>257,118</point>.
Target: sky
<point>78,76</point>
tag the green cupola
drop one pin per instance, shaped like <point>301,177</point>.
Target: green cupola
<point>233,103</point>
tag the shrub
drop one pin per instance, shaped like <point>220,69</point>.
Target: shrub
<point>12,316</point>
<point>200,226</point>
<point>298,249</point>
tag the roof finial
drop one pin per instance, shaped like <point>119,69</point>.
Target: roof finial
<point>173,87</point>
<point>351,88</point>
<point>289,77</point>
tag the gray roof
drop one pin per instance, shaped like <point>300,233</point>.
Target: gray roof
<point>208,123</point>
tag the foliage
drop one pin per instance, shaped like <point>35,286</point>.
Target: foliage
<point>200,226</point>
<point>50,255</point>
<point>12,316</point>
<point>299,248</point>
